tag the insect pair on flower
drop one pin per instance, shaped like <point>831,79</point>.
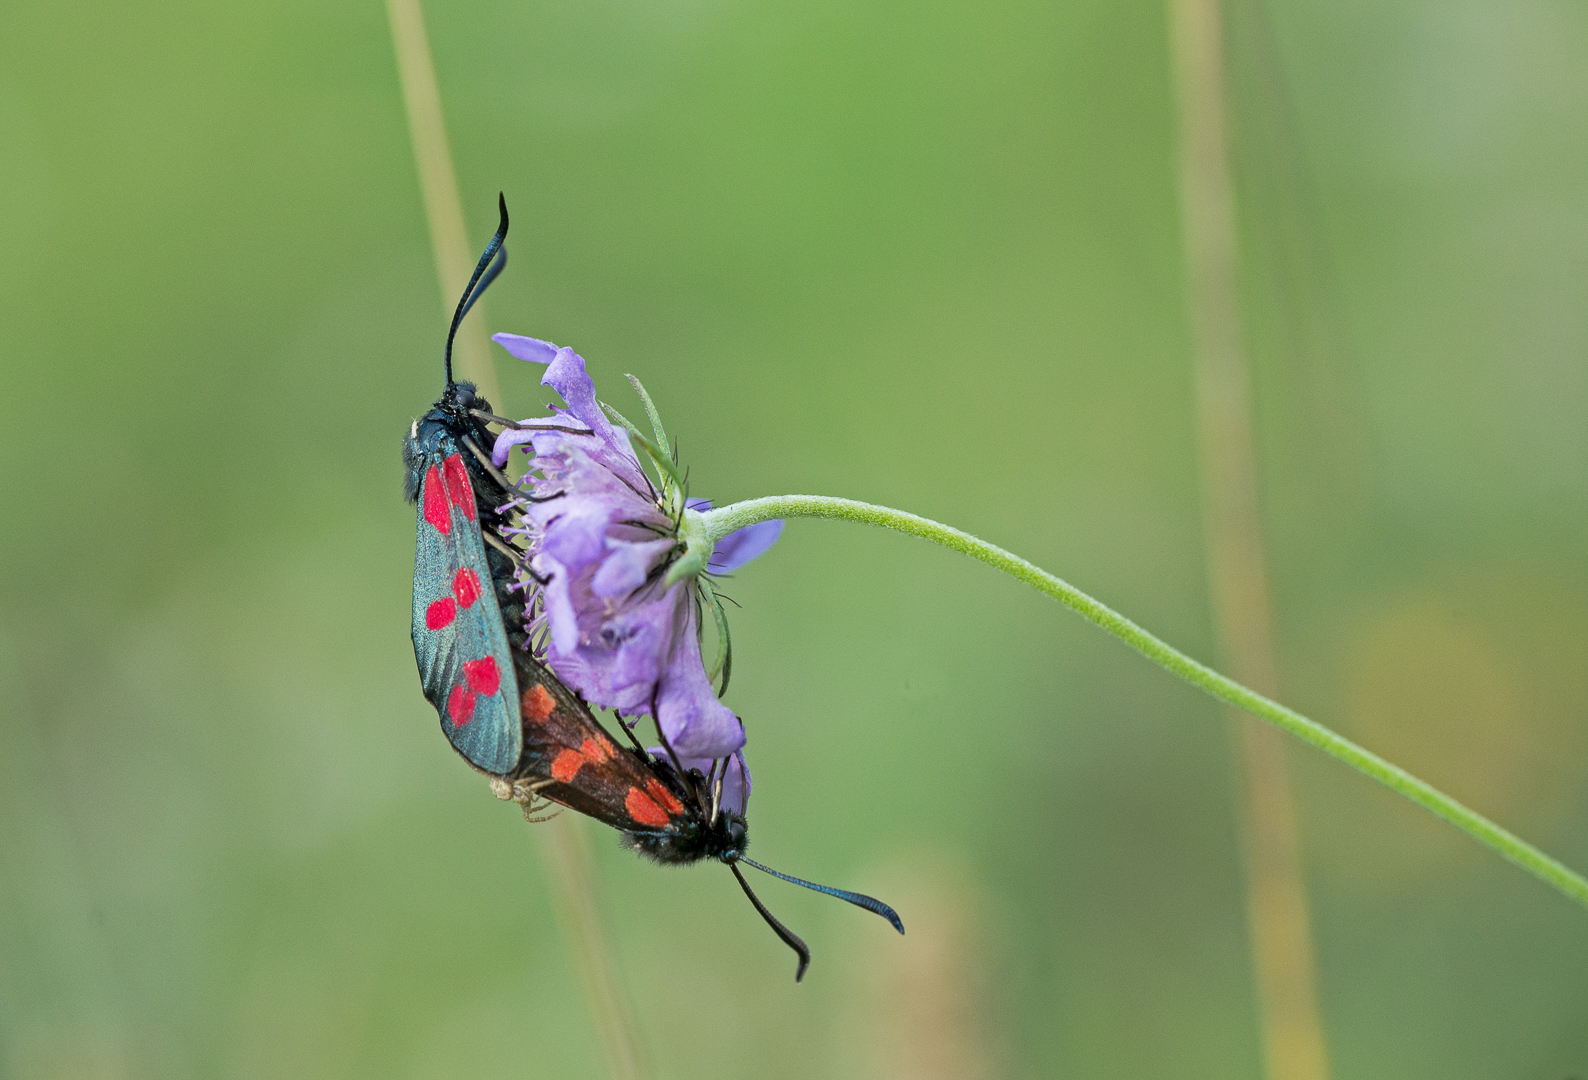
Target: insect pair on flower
<point>586,583</point>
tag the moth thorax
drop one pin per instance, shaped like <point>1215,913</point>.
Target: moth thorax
<point>692,840</point>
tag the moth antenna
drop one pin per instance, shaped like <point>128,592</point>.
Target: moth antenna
<point>495,271</point>
<point>471,294</point>
<point>790,938</point>
<point>870,903</point>
<point>525,425</point>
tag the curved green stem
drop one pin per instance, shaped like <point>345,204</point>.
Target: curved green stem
<point>720,522</point>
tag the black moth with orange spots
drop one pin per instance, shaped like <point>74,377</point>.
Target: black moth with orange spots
<point>503,710</point>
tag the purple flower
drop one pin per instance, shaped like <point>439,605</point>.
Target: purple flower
<point>619,615</point>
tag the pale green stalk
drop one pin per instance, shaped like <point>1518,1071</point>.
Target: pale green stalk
<point>715,524</point>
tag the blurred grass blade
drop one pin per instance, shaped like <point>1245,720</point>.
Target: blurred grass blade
<point>565,844</point>
<point>1279,920</point>
<point>438,183</point>
<point>567,857</point>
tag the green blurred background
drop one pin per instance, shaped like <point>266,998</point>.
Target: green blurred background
<point>921,254</point>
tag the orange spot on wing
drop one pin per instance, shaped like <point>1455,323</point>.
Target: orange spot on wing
<point>459,493</point>
<point>658,791</point>
<point>566,766</point>
<point>436,511</point>
<point>595,751</point>
<point>537,703</point>
<point>643,810</point>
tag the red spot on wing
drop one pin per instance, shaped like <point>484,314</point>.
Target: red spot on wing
<point>566,766</point>
<point>466,587</point>
<point>537,704</point>
<point>436,511</point>
<point>643,810</point>
<point>658,791</point>
<point>441,613</point>
<point>460,705</point>
<point>459,492</point>
<point>595,751</point>
<point>483,676</point>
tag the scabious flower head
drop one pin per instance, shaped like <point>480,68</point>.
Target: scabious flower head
<point>615,594</point>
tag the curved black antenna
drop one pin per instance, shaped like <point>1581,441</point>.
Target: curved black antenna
<point>870,903</point>
<point>491,275</point>
<point>471,294</point>
<point>790,938</point>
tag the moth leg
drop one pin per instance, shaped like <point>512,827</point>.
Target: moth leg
<point>485,463</point>
<point>623,725</point>
<point>501,478</point>
<point>515,554</point>
<point>519,791</point>
<point>716,789</point>
<point>505,548</point>
<point>526,791</point>
<point>527,794</point>
<point>678,766</point>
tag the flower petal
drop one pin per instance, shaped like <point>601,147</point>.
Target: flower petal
<point>736,784</point>
<point>641,657</point>
<point>562,617</point>
<point>577,538</point>
<point>627,566</point>
<point>743,545</point>
<point>693,719</point>
<point>566,374</point>
<point>531,349</point>
<point>514,436</point>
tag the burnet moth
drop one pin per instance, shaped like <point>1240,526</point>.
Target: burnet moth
<point>460,638</point>
<point>503,710</point>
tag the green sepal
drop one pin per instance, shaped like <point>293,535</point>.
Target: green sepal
<point>664,464</point>
<point>724,663</point>
<point>650,411</point>
<point>690,564</point>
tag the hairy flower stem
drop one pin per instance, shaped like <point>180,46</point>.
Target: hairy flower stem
<point>720,522</point>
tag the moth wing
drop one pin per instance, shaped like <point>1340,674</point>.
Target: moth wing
<point>460,643</point>
<point>586,769</point>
